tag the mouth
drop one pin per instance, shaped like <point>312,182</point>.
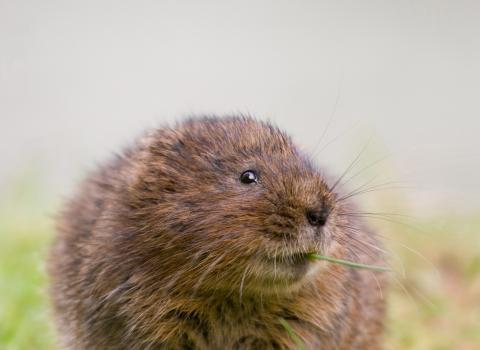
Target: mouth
<point>291,259</point>
<point>285,267</point>
<point>283,271</point>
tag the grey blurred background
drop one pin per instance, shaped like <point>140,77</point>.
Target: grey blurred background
<point>79,79</point>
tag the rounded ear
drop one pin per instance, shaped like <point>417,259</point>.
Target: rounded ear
<point>153,167</point>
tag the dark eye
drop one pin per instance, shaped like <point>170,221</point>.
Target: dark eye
<point>249,177</point>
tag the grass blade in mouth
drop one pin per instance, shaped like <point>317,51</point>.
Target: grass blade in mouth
<point>293,334</point>
<point>347,263</point>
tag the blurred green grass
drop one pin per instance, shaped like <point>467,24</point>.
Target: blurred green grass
<point>434,304</point>
<point>24,315</point>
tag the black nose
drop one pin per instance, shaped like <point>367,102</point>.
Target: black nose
<point>317,217</point>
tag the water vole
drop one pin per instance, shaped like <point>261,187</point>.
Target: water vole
<point>197,238</point>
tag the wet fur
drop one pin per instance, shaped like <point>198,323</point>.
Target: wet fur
<point>160,248</point>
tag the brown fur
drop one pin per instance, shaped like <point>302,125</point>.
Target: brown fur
<point>164,248</point>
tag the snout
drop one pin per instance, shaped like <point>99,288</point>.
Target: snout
<point>317,217</point>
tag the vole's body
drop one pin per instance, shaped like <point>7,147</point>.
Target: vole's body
<point>165,248</point>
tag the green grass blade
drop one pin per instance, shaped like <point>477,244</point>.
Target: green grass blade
<point>348,263</point>
<point>293,335</point>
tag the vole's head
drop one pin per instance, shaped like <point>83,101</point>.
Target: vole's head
<point>229,203</point>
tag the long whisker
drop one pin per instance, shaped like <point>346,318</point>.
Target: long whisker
<point>417,292</point>
<point>390,239</point>
<point>348,263</point>
<point>330,119</point>
<point>384,217</point>
<point>373,213</point>
<point>413,251</point>
<point>206,272</point>
<point>191,266</point>
<point>350,166</point>
<point>373,246</point>
<point>368,166</point>
<point>336,138</point>
<point>241,283</point>
<point>385,186</point>
<point>378,284</point>
<point>407,293</point>
<point>275,264</point>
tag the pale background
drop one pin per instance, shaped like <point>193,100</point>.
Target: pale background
<point>79,79</point>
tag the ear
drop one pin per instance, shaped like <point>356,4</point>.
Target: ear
<point>160,161</point>
<point>178,146</point>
